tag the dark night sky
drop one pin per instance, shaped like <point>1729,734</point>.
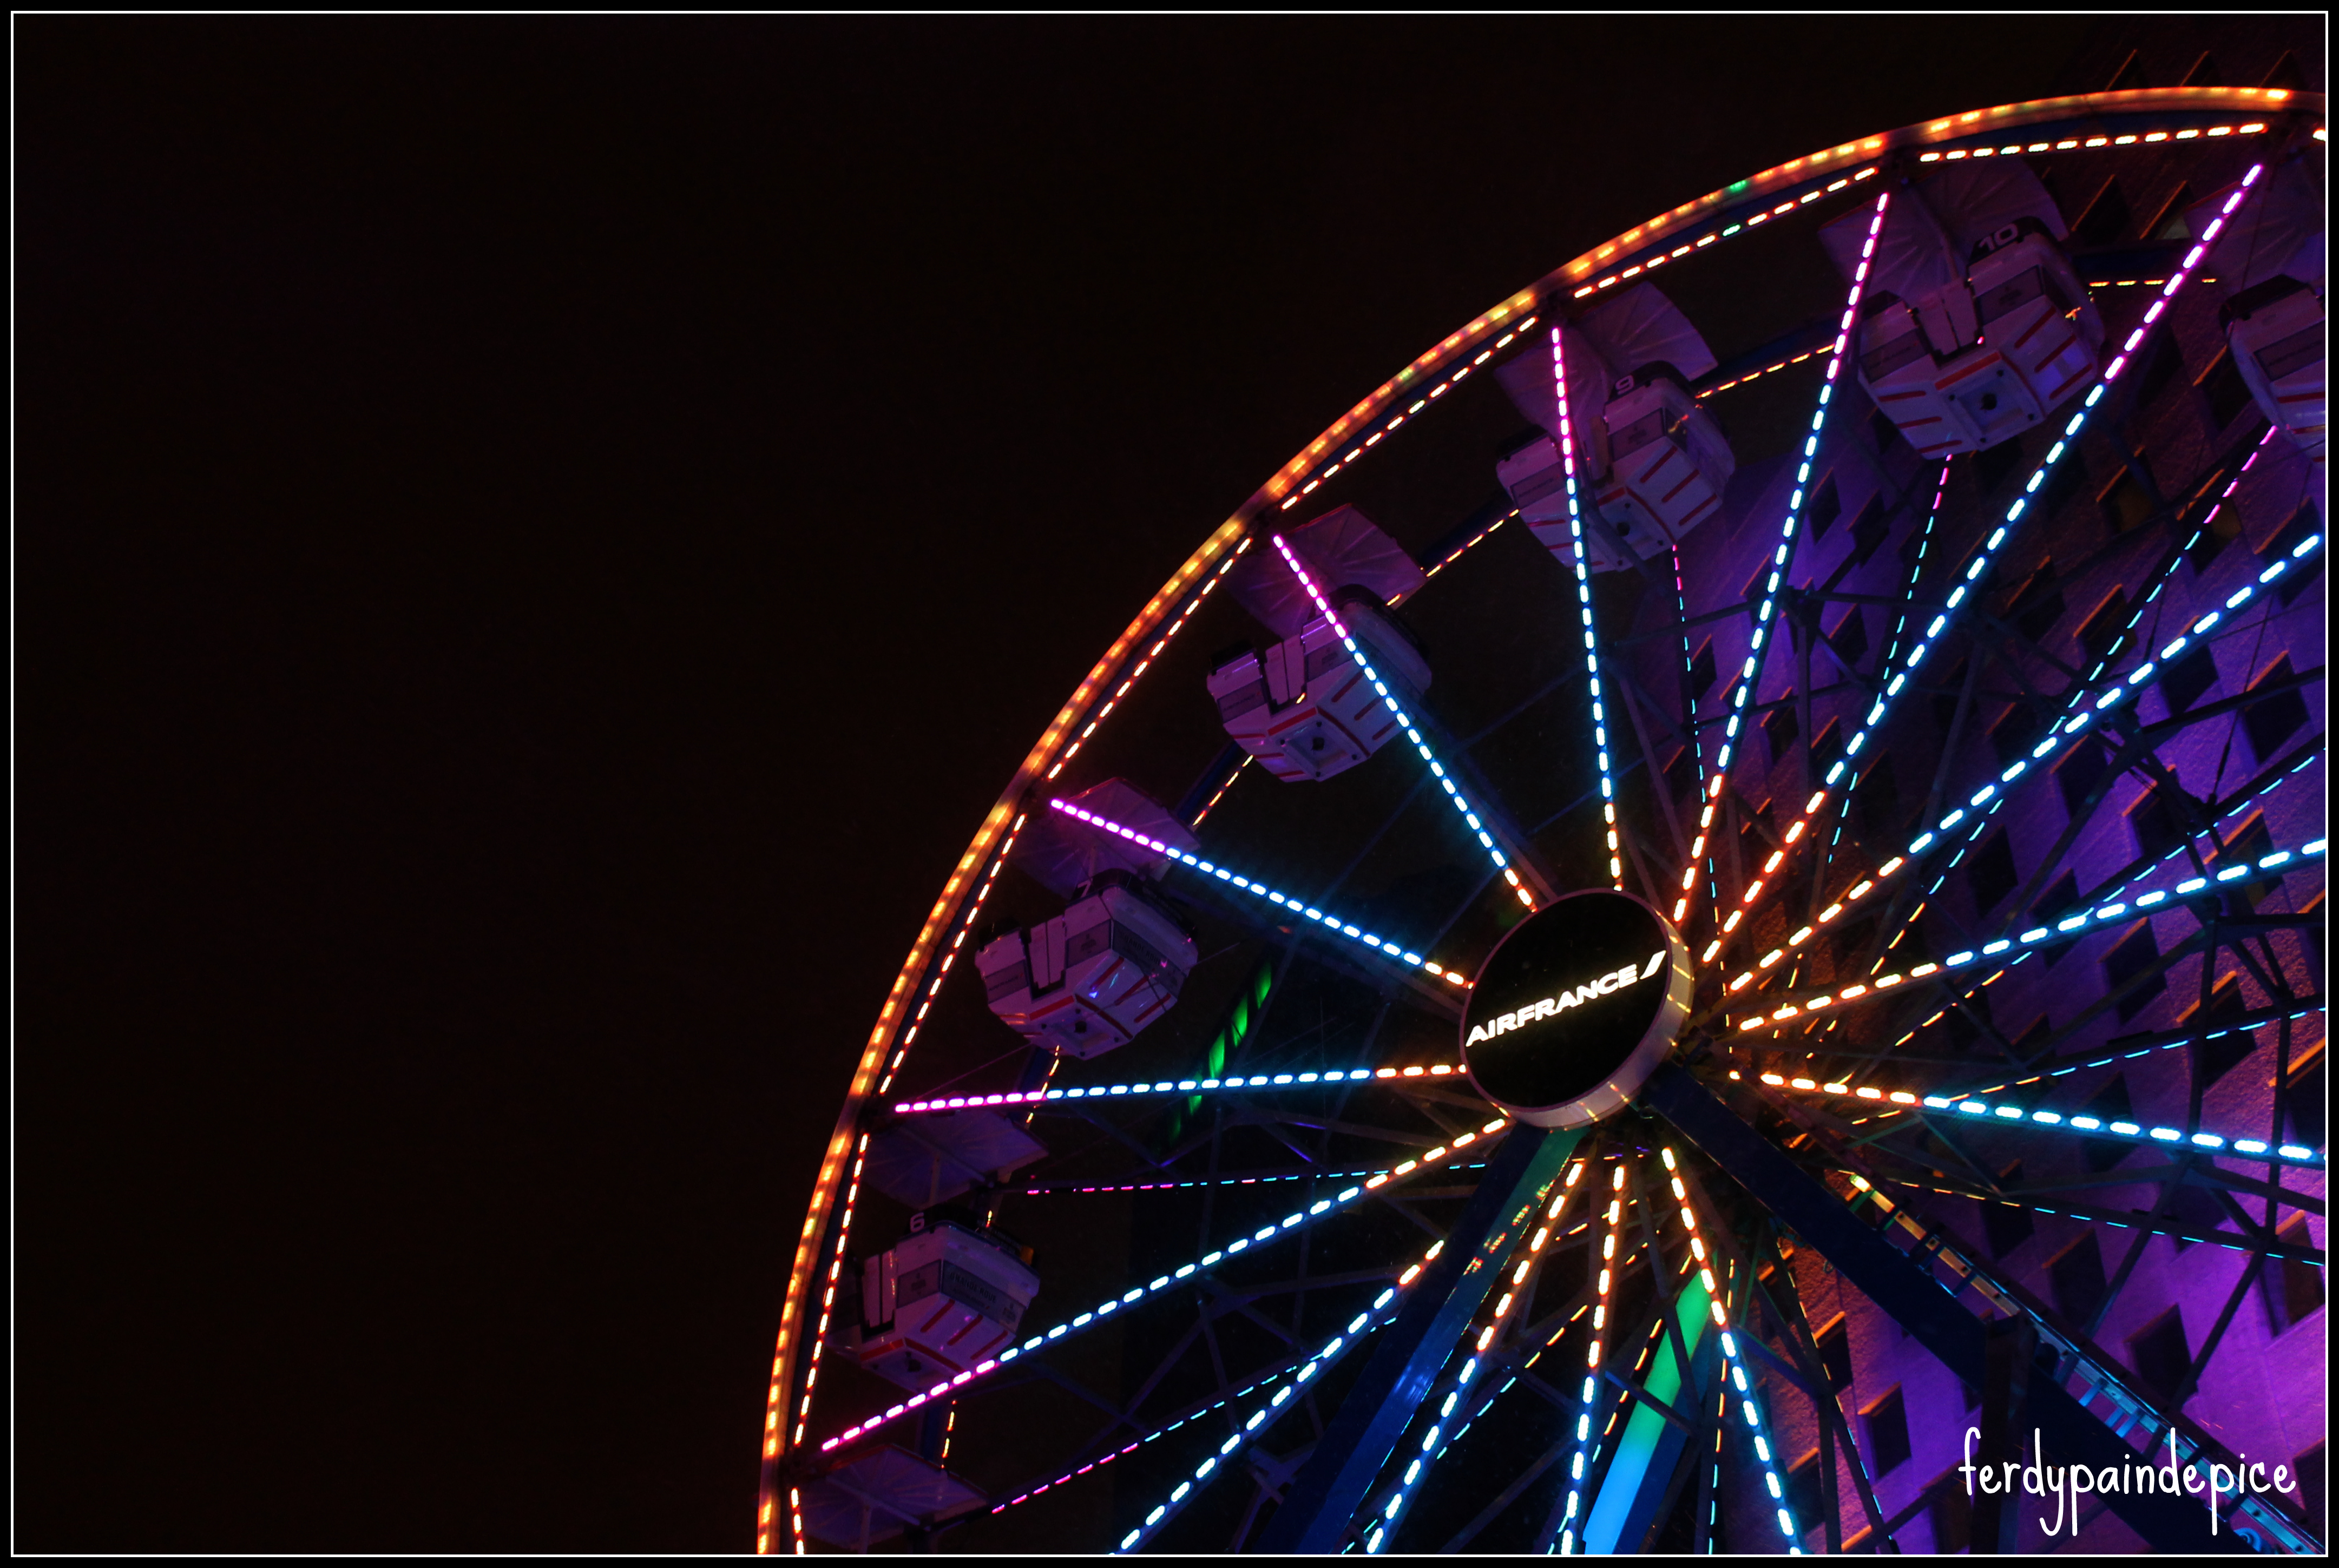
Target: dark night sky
<point>538,542</point>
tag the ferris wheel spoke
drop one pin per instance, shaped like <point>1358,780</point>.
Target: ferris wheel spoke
<point>1175,1282</point>
<point>1742,687</point>
<point>2098,1377</point>
<point>1406,961</point>
<point>1979,563</point>
<point>1446,1427</point>
<point>2160,902</point>
<point>1411,726</point>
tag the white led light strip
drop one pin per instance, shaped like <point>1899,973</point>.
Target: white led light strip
<point>1434,1440</point>
<point>1383,1307</point>
<point>1293,1221</point>
<point>1744,1386</point>
<point>1160,643</point>
<point>2280,860</point>
<point>1584,1436</point>
<point>1330,922</point>
<point>2061,738</point>
<point>1182,1086</point>
<point>2094,1126</point>
<point>1412,733</point>
<point>2072,143</point>
<point>1047,1189</point>
<point>1375,439</point>
<point>1742,687</point>
<point>1584,603</point>
<point>1977,566</point>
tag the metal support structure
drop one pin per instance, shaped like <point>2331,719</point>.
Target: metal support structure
<point>1917,1302</point>
<point>1331,1486</point>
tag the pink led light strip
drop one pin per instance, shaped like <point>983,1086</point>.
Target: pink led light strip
<point>1977,566</point>
<point>1583,565</point>
<point>1744,687</point>
<point>1178,1086</point>
<point>1388,701</point>
<point>1146,662</point>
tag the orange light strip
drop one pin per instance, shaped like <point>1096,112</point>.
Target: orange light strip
<point>893,1016</point>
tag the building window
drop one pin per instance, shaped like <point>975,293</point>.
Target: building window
<point>2294,1290</point>
<point>2134,957</point>
<point>2062,895</point>
<point>1826,507</point>
<point>2039,603</point>
<point>2158,828</point>
<point>1701,671</point>
<point>2077,1274</point>
<point>2220,1053</point>
<point>2251,845</point>
<point>1779,725</point>
<point>2107,218</point>
<point>1835,1355</point>
<point>2226,392</point>
<point>2162,1363</point>
<point>2170,225</point>
<point>2271,720</point>
<point>1888,1434</point>
<point>2008,1224</point>
<point>2013,736</point>
<point>1805,1500</point>
<point>2109,1104</point>
<point>1879,800</point>
<point>1850,638</point>
<point>2078,773</point>
<point>2307,1469</point>
<point>2123,502</point>
<point>2194,673</point>
<point>1990,873</point>
<point>1868,530</point>
<point>2107,629</point>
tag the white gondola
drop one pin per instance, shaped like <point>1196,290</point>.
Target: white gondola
<point>948,1295</point>
<point>1302,705</point>
<point>1088,979</point>
<point>1974,326</point>
<point>1651,464</point>
<point>2270,259</point>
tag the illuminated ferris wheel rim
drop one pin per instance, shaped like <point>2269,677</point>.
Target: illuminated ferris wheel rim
<point>2139,117</point>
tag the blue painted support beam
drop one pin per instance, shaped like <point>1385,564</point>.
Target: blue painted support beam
<point>1917,1301</point>
<point>1331,1486</point>
<point>1651,1447</point>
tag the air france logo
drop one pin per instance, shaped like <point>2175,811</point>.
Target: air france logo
<point>1607,985</point>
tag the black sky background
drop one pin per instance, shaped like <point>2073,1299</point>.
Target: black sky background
<point>537,541</point>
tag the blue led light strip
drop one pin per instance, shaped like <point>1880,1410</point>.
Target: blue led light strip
<point>1330,922</point>
<point>2064,736</point>
<point>1974,1105</point>
<point>950,1387</point>
<point>1742,687</point>
<point>1182,1086</point>
<point>2280,860</point>
<point>1591,1397</point>
<point>1153,1437</point>
<point>1977,566</point>
<point>1696,746</point>
<point>2225,812</point>
<point>1384,1307</point>
<point>1584,603</point>
<point>1750,1405</point>
<point>1441,1433</point>
<point>1412,731</point>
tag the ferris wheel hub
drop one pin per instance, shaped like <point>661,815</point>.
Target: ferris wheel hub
<point>1576,1007</point>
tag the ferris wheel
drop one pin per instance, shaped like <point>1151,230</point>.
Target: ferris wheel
<point>1709,907</point>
